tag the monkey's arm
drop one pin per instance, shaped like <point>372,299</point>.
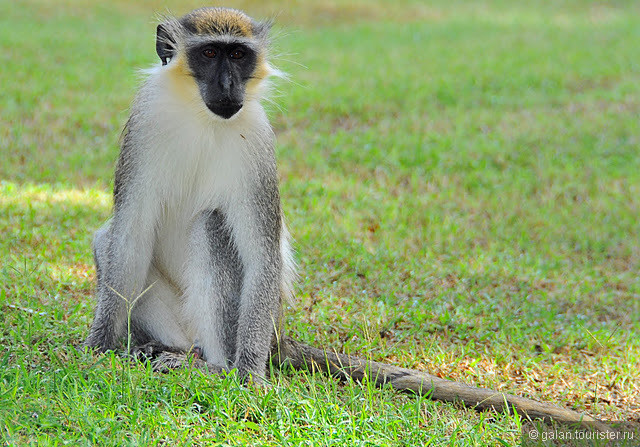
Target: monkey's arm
<point>259,314</point>
<point>257,232</point>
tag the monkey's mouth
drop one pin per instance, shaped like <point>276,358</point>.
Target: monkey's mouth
<point>225,109</point>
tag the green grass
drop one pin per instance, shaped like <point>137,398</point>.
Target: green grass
<point>462,180</point>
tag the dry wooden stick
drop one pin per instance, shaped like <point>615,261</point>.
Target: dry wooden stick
<point>301,356</point>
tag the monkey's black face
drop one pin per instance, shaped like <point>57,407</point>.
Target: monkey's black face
<point>221,71</point>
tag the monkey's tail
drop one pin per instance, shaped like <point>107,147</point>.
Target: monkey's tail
<point>289,352</point>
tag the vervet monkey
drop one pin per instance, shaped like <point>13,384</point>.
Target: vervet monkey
<point>197,234</point>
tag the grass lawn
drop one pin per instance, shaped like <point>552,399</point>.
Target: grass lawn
<point>462,180</point>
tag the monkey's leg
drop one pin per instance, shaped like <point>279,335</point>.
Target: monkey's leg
<point>110,314</point>
<point>157,331</point>
<point>122,250</point>
<point>156,318</point>
<point>99,245</point>
<point>214,278</point>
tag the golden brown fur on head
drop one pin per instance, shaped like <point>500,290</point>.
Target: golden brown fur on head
<point>219,21</point>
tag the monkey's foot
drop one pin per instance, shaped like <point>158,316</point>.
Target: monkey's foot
<point>152,350</point>
<point>168,361</point>
<point>166,358</point>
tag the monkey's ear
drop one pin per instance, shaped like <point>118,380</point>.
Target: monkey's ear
<point>165,44</point>
<point>261,29</point>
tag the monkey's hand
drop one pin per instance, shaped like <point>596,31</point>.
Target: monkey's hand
<point>152,350</point>
<point>250,379</point>
<point>249,372</point>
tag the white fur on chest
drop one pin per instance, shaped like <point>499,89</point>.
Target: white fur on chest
<point>197,168</point>
<point>196,162</point>
<point>194,175</point>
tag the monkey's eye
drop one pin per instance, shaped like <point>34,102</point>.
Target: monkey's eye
<point>237,54</point>
<point>209,52</point>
